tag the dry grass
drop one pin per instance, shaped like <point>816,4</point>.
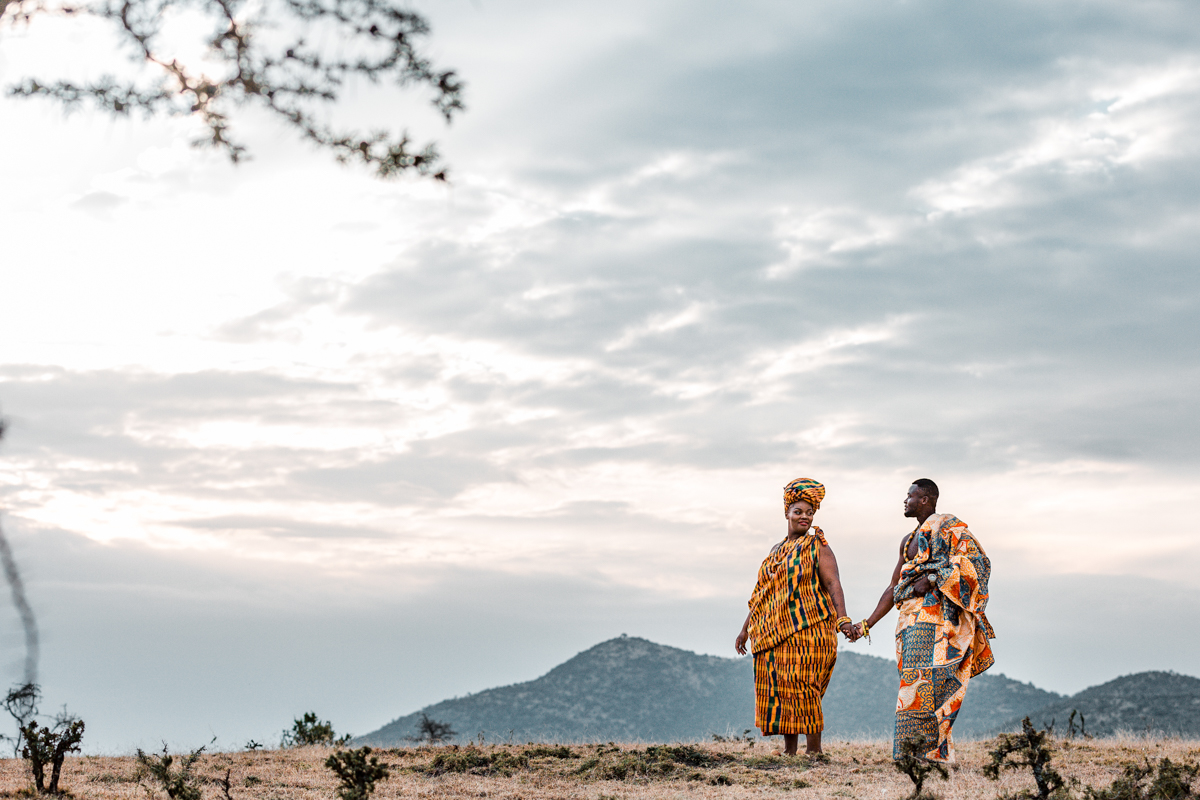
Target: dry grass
<point>527,772</point>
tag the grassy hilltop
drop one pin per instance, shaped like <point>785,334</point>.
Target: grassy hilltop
<point>604,772</point>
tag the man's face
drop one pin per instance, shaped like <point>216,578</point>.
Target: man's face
<point>915,502</point>
<point>800,517</point>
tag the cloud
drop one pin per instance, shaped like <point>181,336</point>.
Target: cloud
<point>687,256</point>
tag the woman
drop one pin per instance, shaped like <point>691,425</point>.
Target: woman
<point>791,624</point>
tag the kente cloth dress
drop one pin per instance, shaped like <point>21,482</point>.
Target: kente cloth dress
<point>792,638</point>
<point>941,637</point>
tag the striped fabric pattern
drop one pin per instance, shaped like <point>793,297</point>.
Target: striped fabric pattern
<point>788,596</point>
<point>791,678</point>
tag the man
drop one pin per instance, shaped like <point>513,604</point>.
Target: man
<point>940,587</point>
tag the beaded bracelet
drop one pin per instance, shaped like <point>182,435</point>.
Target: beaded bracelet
<point>841,621</point>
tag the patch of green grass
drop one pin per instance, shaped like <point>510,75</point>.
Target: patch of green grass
<point>772,762</point>
<point>476,762</point>
<point>542,751</point>
<point>656,761</point>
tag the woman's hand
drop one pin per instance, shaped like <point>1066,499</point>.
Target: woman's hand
<point>850,631</point>
<point>739,643</point>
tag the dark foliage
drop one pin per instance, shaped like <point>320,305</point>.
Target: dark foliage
<point>174,775</point>
<point>21,703</point>
<point>1030,749</point>
<point>613,763</point>
<point>635,690</point>
<point>917,767</point>
<point>433,731</point>
<point>309,730</point>
<point>476,762</point>
<point>561,751</point>
<point>1168,781</point>
<point>48,746</point>
<point>1151,702</point>
<point>268,59</point>
<point>358,772</point>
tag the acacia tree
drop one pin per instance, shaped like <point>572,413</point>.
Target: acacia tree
<point>260,53</point>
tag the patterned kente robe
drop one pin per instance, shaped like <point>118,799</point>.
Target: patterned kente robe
<point>941,638</point>
<point>792,638</point>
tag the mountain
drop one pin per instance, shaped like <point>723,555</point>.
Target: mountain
<point>630,689</point>
<point>1157,702</point>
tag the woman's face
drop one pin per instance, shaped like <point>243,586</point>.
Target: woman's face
<point>800,517</point>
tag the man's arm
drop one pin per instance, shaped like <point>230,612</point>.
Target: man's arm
<point>886,599</point>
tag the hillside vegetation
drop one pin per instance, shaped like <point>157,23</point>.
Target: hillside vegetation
<point>631,689</point>
<point>595,772</point>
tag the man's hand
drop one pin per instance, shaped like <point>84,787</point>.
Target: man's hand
<point>850,631</point>
<point>923,585</point>
<point>739,643</point>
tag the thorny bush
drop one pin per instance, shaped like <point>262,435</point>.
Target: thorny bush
<point>358,772</point>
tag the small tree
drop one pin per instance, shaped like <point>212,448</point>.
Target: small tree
<point>1027,749</point>
<point>913,763</point>
<point>179,784</point>
<point>49,746</point>
<point>21,703</point>
<point>432,731</point>
<point>310,730</point>
<point>357,772</point>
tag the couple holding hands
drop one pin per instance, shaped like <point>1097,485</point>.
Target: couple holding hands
<point>939,587</point>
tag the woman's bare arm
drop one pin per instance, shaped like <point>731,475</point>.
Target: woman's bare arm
<point>739,643</point>
<point>831,581</point>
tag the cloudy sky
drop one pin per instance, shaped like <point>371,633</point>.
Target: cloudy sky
<point>285,437</point>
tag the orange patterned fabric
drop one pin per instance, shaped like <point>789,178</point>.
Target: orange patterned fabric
<point>788,596</point>
<point>941,637</point>
<point>791,678</point>
<point>959,569</point>
<point>803,489</point>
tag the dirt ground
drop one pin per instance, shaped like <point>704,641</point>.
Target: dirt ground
<point>601,772</point>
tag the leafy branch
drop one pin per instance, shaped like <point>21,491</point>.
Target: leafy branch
<point>287,79</point>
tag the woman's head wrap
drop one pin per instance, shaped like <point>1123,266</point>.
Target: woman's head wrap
<point>803,489</point>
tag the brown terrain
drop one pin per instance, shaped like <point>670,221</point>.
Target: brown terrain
<point>738,769</point>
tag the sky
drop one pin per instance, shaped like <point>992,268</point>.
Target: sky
<point>286,437</point>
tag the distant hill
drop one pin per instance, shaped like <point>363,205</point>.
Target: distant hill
<point>1155,702</point>
<point>631,689</point>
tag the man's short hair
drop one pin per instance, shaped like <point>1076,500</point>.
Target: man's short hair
<point>927,487</point>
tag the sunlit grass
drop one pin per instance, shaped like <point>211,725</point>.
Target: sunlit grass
<point>540,772</point>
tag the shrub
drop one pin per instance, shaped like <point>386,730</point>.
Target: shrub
<point>433,731</point>
<point>477,762</point>
<point>358,771</point>
<point>21,703</point>
<point>179,784</point>
<point>1028,748</point>
<point>913,763</point>
<point>542,751</point>
<point>654,761</point>
<point>1173,782</point>
<point>50,746</point>
<point>686,754</point>
<point>310,730</point>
